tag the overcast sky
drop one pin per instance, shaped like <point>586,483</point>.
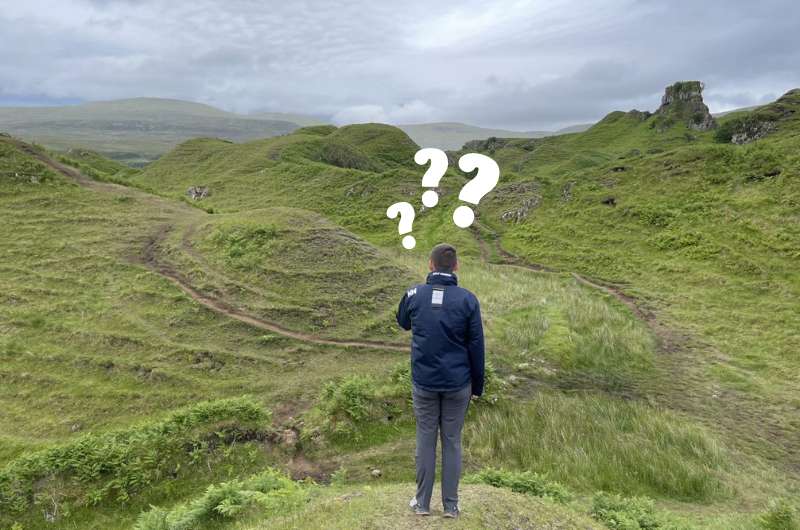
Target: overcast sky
<point>517,64</point>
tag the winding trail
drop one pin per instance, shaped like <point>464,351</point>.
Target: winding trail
<point>150,257</point>
<point>512,260</point>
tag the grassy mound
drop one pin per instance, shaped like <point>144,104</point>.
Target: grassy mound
<point>114,466</point>
<point>18,168</point>
<point>296,268</point>
<point>386,506</point>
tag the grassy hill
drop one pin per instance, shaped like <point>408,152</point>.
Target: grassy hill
<point>637,283</point>
<point>134,131</point>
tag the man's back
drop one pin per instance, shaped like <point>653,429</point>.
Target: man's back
<point>446,368</point>
<point>447,336</point>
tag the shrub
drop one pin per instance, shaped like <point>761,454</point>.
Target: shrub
<point>650,215</point>
<point>676,239</point>
<point>630,513</point>
<point>270,491</point>
<point>522,482</point>
<point>244,245</point>
<point>779,516</point>
<point>342,155</point>
<point>95,467</point>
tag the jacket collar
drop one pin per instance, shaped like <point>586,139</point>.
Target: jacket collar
<point>442,278</point>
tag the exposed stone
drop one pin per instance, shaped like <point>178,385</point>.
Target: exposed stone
<point>490,145</point>
<point>198,192</point>
<point>530,200</point>
<point>566,191</point>
<point>683,101</point>
<point>752,131</point>
<point>376,473</point>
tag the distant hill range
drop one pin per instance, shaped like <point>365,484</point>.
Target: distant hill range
<point>134,131</point>
<point>450,135</point>
<point>139,130</point>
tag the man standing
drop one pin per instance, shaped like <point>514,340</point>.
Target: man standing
<point>447,368</point>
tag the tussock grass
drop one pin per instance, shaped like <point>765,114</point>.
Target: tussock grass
<point>596,442</point>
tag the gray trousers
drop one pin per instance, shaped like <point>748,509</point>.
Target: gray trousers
<point>439,413</point>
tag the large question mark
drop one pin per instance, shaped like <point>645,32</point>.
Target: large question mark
<point>406,213</point>
<point>436,171</point>
<point>477,188</point>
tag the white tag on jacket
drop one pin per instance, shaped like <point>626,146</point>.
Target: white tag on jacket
<point>437,297</point>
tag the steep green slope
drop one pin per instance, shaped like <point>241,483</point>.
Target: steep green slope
<point>351,175</point>
<point>705,233</point>
<point>133,131</point>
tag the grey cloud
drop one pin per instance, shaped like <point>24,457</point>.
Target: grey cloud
<point>517,64</point>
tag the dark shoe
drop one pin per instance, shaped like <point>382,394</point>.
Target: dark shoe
<point>417,509</point>
<point>451,514</point>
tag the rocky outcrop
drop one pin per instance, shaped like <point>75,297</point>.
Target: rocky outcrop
<point>523,197</point>
<point>683,102</point>
<point>750,131</point>
<point>198,192</point>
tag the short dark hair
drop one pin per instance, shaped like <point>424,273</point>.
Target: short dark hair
<point>444,257</point>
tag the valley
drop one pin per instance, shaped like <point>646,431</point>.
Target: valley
<point>638,282</point>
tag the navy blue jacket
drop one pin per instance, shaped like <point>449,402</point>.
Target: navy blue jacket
<point>447,335</point>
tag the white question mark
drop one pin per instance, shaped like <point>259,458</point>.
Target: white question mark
<point>406,213</point>
<point>474,190</point>
<point>436,171</point>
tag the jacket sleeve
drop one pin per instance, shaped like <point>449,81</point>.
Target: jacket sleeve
<point>475,349</point>
<point>404,313</point>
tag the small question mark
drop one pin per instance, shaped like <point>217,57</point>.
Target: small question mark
<point>436,171</point>
<point>406,213</point>
<point>474,190</point>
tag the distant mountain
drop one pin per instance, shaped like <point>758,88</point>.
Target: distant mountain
<point>580,127</point>
<point>303,120</point>
<point>134,131</point>
<point>453,135</point>
<point>139,130</point>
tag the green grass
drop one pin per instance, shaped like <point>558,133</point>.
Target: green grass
<point>296,268</point>
<point>386,506</point>
<point>599,443</point>
<point>689,401</point>
<point>704,234</point>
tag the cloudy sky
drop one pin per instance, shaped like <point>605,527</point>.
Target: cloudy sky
<point>521,64</point>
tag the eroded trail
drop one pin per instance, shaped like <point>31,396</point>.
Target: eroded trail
<point>150,257</point>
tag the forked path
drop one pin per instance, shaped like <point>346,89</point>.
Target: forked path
<point>150,257</point>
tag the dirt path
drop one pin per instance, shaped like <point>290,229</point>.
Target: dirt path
<point>511,260</point>
<point>150,258</point>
